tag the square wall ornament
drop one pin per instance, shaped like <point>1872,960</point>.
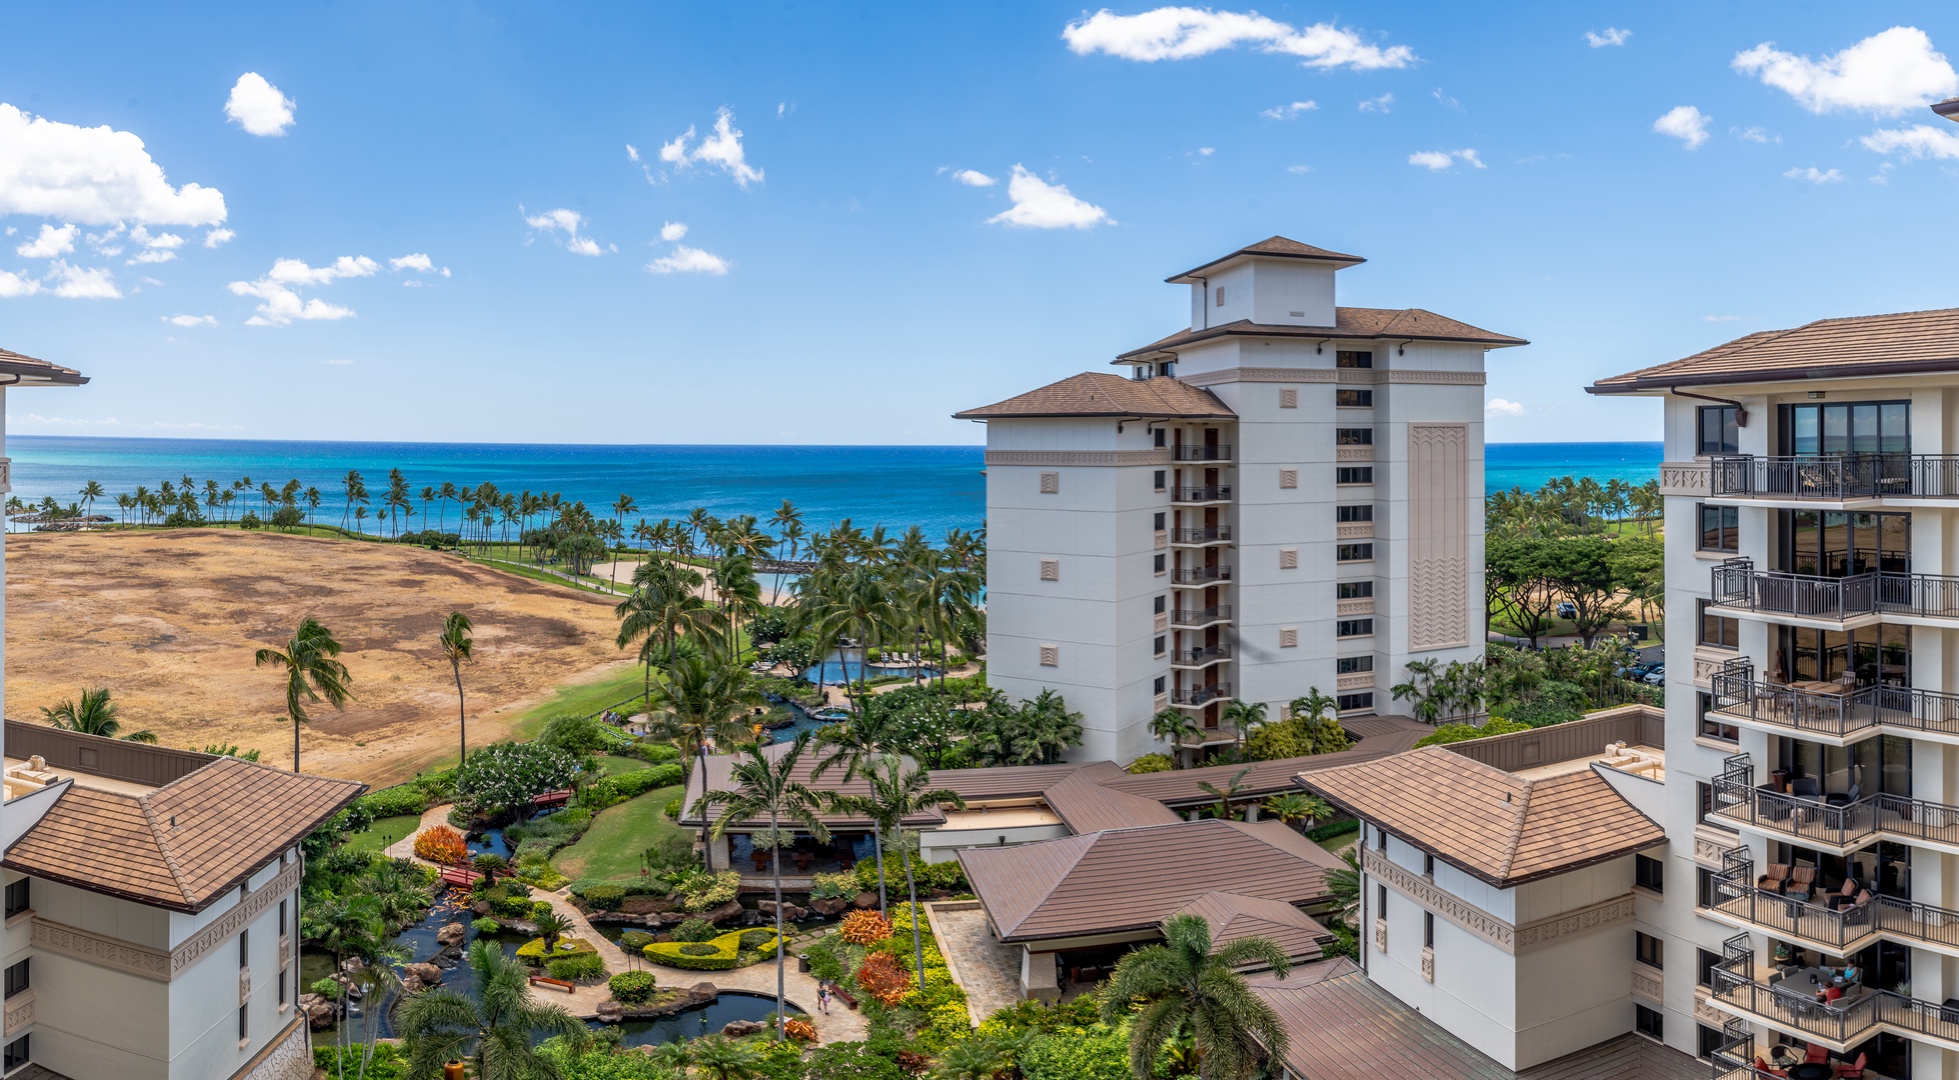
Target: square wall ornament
<point>1288,558</point>
<point>1050,656</point>
<point>1288,637</point>
<point>1050,569</point>
<point>1288,398</point>
<point>1050,483</point>
<point>1288,478</point>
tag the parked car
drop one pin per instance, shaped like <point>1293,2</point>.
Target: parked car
<point>1637,672</point>
<point>1657,676</point>
<point>1567,610</point>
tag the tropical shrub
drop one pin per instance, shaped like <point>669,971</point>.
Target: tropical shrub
<point>703,891</point>
<point>1098,1052</point>
<point>823,960</point>
<point>1450,733</point>
<point>1149,763</point>
<point>486,926</point>
<point>580,966</point>
<point>865,928</point>
<point>489,862</point>
<point>578,735</point>
<point>939,875</point>
<point>635,940</point>
<point>695,930</point>
<point>504,776</point>
<point>441,845</point>
<point>658,753</point>
<point>671,810</point>
<point>697,948</point>
<point>532,951</point>
<point>613,790</point>
<point>853,1061</point>
<point>541,908</point>
<point>632,987</point>
<point>755,939</point>
<point>881,977</point>
<point>329,988</point>
<point>386,1063</point>
<point>725,952</point>
<point>396,801</point>
<point>833,886</point>
<point>800,1030</point>
<point>605,897</point>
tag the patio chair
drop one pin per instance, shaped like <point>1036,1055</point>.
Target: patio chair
<point>1816,1054</point>
<point>1802,883</point>
<point>1776,878</point>
<point>1853,1069</point>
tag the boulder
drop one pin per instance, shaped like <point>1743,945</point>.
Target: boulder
<point>831,907</point>
<point>351,964</point>
<point>412,985</point>
<point>429,974</point>
<point>452,934</point>
<point>865,901</point>
<point>736,1029</point>
<point>611,1012</point>
<point>319,1012</point>
<point>722,913</point>
<point>521,926</point>
<point>790,912</point>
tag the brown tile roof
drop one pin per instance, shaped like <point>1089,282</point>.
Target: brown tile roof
<point>1234,915</point>
<point>184,844</point>
<point>31,369</point>
<point>1343,1026</point>
<point>1131,879</point>
<point>1272,247</point>
<point>1101,393</point>
<point>1004,782</point>
<point>1907,343</point>
<point>1086,804</point>
<point>1503,828</point>
<point>1411,324</point>
<point>1378,737</point>
<point>718,775</point>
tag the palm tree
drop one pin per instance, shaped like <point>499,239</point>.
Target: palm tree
<point>1175,727</point>
<point>856,745</point>
<point>979,1057</point>
<point>1297,806</point>
<point>90,492</point>
<point>496,1030</point>
<point>94,715</point>
<point>701,700</point>
<point>717,1057</point>
<point>551,926</point>
<point>768,788</point>
<point>1226,794</point>
<point>312,673</point>
<point>1343,886</point>
<point>899,792</point>
<point>456,646</point>
<point>1187,988</point>
<point>1243,716</point>
<point>665,601</point>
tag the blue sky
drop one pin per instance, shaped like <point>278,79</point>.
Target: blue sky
<point>840,278</point>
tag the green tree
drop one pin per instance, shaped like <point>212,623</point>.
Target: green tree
<point>1185,987</point>
<point>898,792</point>
<point>313,673</point>
<point>1343,885</point>
<point>497,1031</point>
<point>1452,733</point>
<point>1227,794</point>
<point>457,646</point>
<point>94,714</point>
<point>1294,807</point>
<point>1244,717</point>
<point>717,1057</point>
<point>505,776</point>
<point>1175,727</point>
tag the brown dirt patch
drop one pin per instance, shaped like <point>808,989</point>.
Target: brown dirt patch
<point>170,621</point>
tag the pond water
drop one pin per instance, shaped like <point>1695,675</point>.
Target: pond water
<point>702,1020</point>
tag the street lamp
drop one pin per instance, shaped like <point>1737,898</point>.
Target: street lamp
<point>1949,108</point>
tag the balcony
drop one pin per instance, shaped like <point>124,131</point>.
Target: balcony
<point>1200,453</point>
<point>1831,710</point>
<point>1206,493</point>
<point>1214,534</point>
<point>1200,575</point>
<point>1833,820</point>
<point>1839,932</point>
<point>1204,656</point>
<point>1196,618</point>
<point>1760,994</point>
<point>1834,478</point>
<point>1738,586</point>
<point>1200,695</point>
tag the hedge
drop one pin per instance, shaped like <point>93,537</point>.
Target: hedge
<point>532,951</point>
<point>632,987</point>
<point>1332,829</point>
<point>605,897</point>
<point>617,789</point>
<point>721,954</point>
<point>584,965</point>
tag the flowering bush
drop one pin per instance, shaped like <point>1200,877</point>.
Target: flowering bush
<point>800,1030</point>
<point>504,776</point>
<point>883,979</point>
<point>441,845</point>
<point>865,928</point>
<point>703,891</point>
<point>632,987</point>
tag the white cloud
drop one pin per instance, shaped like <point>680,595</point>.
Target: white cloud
<point>258,106</point>
<point>78,283</point>
<point>721,150</point>
<point>1379,104</point>
<point>166,241</point>
<point>420,263</point>
<point>95,176</point>
<point>1180,33</point>
<point>1611,35</point>
<point>1814,175</point>
<point>296,272</point>
<point>1299,168</point>
<point>1887,73</point>
<point>568,222</point>
<point>1206,151</point>
<point>52,241</point>
<point>974,178</point>
<point>112,422</point>
<point>1445,100</point>
<point>1686,123</point>
<point>191,320</point>
<point>1038,204</point>
<point>1438,160</point>
<point>280,305</point>
<point>688,260</point>
<point>12,284</point>
<point>1754,135</point>
<point>151,256</point>
<point>1501,407</point>
<point>1917,141</point>
<point>1288,112</point>
<point>338,362</point>
<point>218,237</point>
<point>672,231</point>
<point>632,152</point>
<point>1723,318</point>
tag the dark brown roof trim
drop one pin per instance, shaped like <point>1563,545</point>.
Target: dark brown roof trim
<point>1649,383</point>
<point>27,367</point>
<point>1331,333</point>
<point>1501,883</point>
<point>1253,251</point>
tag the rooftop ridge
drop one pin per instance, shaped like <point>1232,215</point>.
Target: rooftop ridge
<point>163,847</point>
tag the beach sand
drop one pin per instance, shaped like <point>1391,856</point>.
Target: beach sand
<point>170,620</point>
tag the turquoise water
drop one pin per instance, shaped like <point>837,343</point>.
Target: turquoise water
<point>935,487</point>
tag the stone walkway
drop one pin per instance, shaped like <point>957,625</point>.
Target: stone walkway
<point>404,848</point>
<point>987,970</point>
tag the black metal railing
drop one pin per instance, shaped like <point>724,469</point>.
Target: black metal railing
<point>1738,799</point>
<point>1200,616</point>
<point>1197,575</point>
<point>1737,584</point>
<point>1210,534</point>
<point>1201,493</point>
<point>1200,695</point>
<point>1203,655</point>
<point>1830,477</point>
<point>1835,713</point>
<point>1201,453</point>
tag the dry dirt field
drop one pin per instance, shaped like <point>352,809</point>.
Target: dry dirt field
<point>170,620</point>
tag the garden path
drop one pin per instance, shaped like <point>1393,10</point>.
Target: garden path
<point>404,848</point>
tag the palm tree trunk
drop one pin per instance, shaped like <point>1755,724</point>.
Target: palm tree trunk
<point>877,840</point>
<point>781,958</point>
<point>295,744</point>
<point>462,717</point>
<point>911,886</point>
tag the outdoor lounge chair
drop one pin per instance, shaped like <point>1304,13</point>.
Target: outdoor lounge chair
<point>1853,1069</point>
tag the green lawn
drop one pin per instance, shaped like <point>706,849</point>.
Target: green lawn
<point>610,849</point>
<point>383,832</point>
<point>613,766</point>
<point>583,699</point>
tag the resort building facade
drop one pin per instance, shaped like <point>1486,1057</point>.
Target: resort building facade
<point>1284,496</point>
<point>1811,882</point>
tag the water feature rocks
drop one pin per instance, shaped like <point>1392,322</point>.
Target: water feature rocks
<point>452,934</point>
<point>865,901</point>
<point>790,912</point>
<point>319,1012</point>
<point>722,912</point>
<point>427,974</point>
<point>829,907</point>
<point>738,1029</point>
<point>352,964</point>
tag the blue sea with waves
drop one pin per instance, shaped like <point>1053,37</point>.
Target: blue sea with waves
<point>935,487</point>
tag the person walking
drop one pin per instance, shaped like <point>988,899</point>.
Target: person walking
<point>823,997</point>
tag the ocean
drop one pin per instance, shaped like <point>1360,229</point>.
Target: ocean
<point>935,487</point>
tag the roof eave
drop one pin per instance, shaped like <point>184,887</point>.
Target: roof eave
<point>1331,333</point>
<point>1655,384</point>
<point>1339,262</point>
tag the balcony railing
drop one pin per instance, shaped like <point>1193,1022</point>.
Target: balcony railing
<point>1849,1021</point>
<point>1200,695</point>
<point>1834,477</point>
<point>1737,584</point>
<point>1832,713</point>
<point>1210,535</point>
<point>1201,453</point>
<point>1846,824</point>
<point>1201,493</point>
<point>1197,575</point>
<point>1205,655</point>
<point>1200,616</point>
<point>1844,930</point>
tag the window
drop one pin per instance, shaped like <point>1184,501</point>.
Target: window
<point>16,978</point>
<point>15,1055</point>
<point>1428,865</point>
<point>1350,665</point>
<point>244,1023</point>
<point>1381,843</point>
<point>282,918</point>
<point>1649,873</point>
<point>1853,427</point>
<point>1381,897</point>
<point>1353,628</point>
<point>16,897</point>
<point>1428,929</point>
<point>1354,590</point>
<point>1162,476</point>
<point>1354,474</point>
<point>1357,512</point>
<point>1353,552</point>
<point>1705,795</point>
<point>1353,399</point>
<point>1162,439</point>
<point>1704,962</point>
<point>1220,300</point>
<point>1713,727</point>
<point>1709,1040</point>
<point>1161,602</point>
<point>1704,887</point>
<point>1648,949</point>
<point>1718,528</point>
<point>244,949</point>
<point>1350,359</point>
<point>1350,702</point>
<point>1159,651</point>
<point>1717,630</point>
<point>1649,1022</point>
<point>1720,430</point>
<point>1160,684</point>
<point>1158,521</point>
<point>1167,368</point>
<point>1161,564</point>
<point>1353,436</point>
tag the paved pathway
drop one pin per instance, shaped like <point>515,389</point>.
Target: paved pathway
<point>404,848</point>
<point>987,970</point>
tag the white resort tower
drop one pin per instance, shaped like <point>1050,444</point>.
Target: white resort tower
<point>1812,792</point>
<point>1285,495</point>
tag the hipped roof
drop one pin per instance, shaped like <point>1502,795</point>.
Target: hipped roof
<point>1234,916</point>
<point>1906,343</point>
<point>32,370</point>
<point>1272,247</point>
<point>1102,393</point>
<point>717,774</point>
